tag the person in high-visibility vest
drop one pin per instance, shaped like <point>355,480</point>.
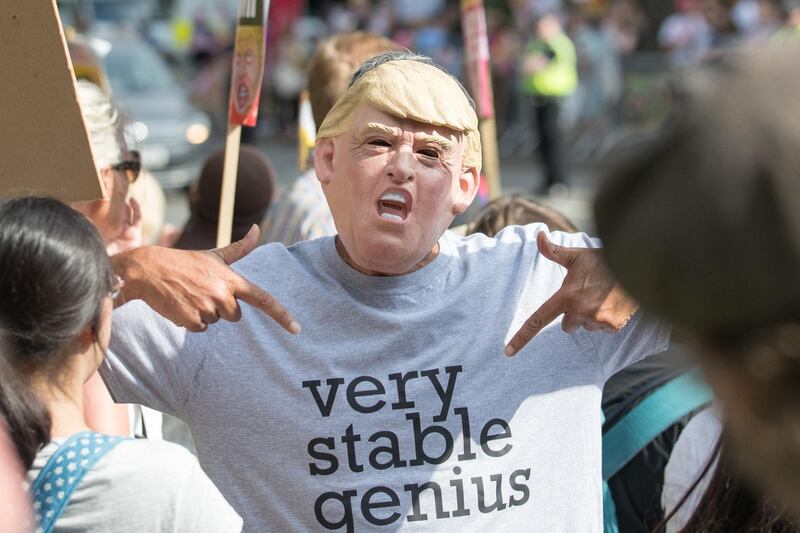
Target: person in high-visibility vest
<point>549,74</point>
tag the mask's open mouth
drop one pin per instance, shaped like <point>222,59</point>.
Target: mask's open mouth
<point>394,206</point>
<point>243,95</point>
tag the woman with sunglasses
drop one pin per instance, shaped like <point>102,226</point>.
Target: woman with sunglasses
<point>56,291</point>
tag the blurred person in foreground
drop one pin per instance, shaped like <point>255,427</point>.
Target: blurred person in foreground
<point>702,224</point>
<point>56,318</point>
<point>302,213</point>
<point>549,74</point>
<point>334,428</point>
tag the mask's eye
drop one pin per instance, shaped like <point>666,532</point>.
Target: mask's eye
<point>429,152</point>
<point>379,142</point>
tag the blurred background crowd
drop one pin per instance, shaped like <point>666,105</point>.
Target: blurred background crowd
<point>571,80</point>
<point>168,64</point>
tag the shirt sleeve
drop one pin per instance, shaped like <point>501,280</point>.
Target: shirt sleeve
<point>152,362</point>
<point>641,337</point>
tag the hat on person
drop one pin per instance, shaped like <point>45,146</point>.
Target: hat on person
<point>702,223</point>
<point>255,186</point>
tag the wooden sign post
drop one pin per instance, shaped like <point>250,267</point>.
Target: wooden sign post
<point>246,76</point>
<point>476,49</point>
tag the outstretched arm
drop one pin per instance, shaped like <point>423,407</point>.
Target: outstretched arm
<point>196,288</point>
<point>588,298</point>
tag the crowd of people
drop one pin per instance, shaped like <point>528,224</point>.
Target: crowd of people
<point>607,61</point>
<point>355,362</point>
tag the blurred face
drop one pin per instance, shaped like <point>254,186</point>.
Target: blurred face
<point>108,215</point>
<point>548,27</point>
<point>246,65</point>
<point>393,186</point>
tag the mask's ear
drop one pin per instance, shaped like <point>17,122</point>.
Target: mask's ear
<point>468,184</point>
<point>323,160</point>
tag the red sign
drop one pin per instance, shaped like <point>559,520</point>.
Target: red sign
<point>473,20</point>
<point>248,62</point>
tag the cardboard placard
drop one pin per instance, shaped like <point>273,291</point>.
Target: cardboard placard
<point>44,145</point>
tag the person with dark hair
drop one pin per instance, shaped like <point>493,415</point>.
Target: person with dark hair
<point>16,456</point>
<point>517,211</point>
<point>728,502</point>
<point>701,224</point>
<point>56,291</point>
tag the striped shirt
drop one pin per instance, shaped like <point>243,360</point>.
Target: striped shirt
<point>300,214</point>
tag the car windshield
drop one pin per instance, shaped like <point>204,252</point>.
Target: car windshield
<point>134,68</point>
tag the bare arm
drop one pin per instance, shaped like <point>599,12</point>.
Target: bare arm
<point>196,288</point>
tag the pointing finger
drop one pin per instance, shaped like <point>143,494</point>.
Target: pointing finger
<point>540,318</point>
<point>256,296</point>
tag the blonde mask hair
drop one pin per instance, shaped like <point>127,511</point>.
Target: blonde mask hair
<point>410,87</point>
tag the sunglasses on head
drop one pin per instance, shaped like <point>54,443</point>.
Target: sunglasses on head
<point>130,167</point>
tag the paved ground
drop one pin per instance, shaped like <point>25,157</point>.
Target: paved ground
<point>518,175</point>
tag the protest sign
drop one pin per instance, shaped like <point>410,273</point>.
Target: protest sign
<point>476,50</point>
<point>44,145</point>
<point>246,76</point>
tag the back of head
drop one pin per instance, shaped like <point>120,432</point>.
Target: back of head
<point>518,211</point>
<point>333,64</point>
<point>410,87</point>
<point>702,224</point>
<point>54,275</point>
<point>255,186</point>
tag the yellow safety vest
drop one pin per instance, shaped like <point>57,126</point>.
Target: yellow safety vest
<point>560,76</point>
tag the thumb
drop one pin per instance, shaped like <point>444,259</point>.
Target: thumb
<point>558,254</point>
<point>236,250</point>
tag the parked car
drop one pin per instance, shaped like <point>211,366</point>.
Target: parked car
<point>170,133</point>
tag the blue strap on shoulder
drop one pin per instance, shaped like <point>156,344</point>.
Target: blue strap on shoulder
<point>63,472</point>
<point>652,416</point>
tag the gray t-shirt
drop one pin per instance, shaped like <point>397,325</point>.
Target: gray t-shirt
<point>140,486</point>
<point>395,408</point>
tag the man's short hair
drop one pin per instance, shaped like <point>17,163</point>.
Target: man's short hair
<point>333,64</point>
